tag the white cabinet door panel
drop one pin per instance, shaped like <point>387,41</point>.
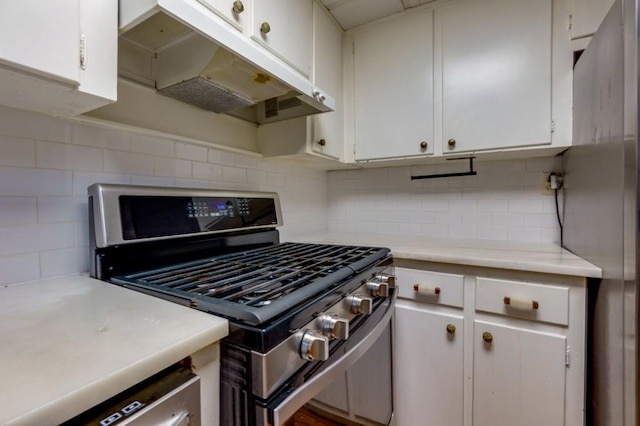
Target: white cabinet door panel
<point>42,37</point>
<point>393,65</point>
<point>429,368</point>
<point>519,377</point>
<point>496,74</point>
<point>288,38</point>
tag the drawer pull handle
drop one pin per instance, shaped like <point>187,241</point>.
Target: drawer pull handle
<point>424,290</point>
<point>520,303</point>
<point>487,337</point>
<point>451,329</point>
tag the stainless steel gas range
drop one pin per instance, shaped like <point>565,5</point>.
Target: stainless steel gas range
<point>310,324</point>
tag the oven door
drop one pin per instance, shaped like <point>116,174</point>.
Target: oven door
<point>353,387</point>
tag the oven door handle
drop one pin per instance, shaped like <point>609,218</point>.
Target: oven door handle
<point>309,389</point>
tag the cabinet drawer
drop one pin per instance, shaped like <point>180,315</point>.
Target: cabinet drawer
<point>430,287</point>
<point>539,302</point>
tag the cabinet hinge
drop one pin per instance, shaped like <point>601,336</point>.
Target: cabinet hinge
<point>567,357</point>
<point>570,22</point>
<point>83,52</point>
<point>553,126</point>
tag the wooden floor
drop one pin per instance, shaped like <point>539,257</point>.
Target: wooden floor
<point>304,417</point>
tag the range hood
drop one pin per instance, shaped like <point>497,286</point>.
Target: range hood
<point>189,63</point>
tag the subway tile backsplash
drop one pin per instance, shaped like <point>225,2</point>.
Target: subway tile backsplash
<point>46,165</point>
<point>504,201</point>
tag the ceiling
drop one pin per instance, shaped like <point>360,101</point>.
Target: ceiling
<point>351,13</point>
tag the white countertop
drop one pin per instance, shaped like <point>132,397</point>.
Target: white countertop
<point>71,342</point>
<point>532,257</point>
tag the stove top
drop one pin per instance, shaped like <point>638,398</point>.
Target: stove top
<point>256,286</point>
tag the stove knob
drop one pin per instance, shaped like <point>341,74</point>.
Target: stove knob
<point>360,304</point>
<point>378,289</point>
<point>314,346</point>
<point>334,327</point>
<point>388,279</point>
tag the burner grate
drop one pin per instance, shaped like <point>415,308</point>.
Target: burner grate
<point>273,278</point>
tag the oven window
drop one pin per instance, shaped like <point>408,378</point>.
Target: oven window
<point>148,217</point>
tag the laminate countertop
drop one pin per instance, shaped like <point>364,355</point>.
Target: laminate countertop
<point>71,342</point>
<point>521,256</point>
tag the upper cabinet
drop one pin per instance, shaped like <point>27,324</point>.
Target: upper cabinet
<point>496,74</point>
<point>319,135</point>
<point>462,77</point>
<point>284,27</point>
<point>58,57</point>
<point>587,16</point>
<point>393,88</point>
<point>235,12</point>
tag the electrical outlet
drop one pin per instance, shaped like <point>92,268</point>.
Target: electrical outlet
<point>546,182</point>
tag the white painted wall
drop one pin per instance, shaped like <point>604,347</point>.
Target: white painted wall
<point>505,201</point>
<point>46,165</point>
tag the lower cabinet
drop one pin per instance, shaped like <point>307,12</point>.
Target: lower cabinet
<point>518,376</point>
<point>488,347</point>
<point>429,367</point>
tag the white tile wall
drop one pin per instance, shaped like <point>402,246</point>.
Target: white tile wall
<point>504,201</point>
<point>46,165</point>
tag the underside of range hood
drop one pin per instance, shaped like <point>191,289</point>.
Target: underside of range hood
<point>162,53</point>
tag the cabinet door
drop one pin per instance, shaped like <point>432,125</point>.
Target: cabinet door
<point>393,85</point>
<point>284,27</point>
<point>429,368</point>
<point>41,37</point>
<point>327,64</point>
<point>518,376</point>
<point>234,12</point>
<point>588,15</point>
<point>496,74</point>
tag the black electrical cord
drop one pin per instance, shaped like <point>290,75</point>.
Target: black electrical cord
<point>558,216</point>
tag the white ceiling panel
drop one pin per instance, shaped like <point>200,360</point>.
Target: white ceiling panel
<point>352,13</point>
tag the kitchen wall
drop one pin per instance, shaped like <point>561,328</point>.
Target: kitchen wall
<point>504,201</point>
<point>46,165</point>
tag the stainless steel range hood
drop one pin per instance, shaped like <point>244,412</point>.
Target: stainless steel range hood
<point>185,63</point>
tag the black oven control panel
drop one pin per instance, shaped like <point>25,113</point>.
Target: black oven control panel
<point>162,216</point>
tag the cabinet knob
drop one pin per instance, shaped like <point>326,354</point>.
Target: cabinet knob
<point>423,145</point>
<point>322,142</point>
<point>265,27</point>
<point>451,143</point>
<point>487,337</point>
<point>319,96</point>
<point>238,7</point>
<point>451,329</point>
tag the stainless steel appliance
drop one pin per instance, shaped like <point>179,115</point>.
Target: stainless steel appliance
<point>301,316</point>
<point>171,397</point>
<point>601,188</point>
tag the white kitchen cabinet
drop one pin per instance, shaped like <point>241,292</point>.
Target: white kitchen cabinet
<point>320,135</point>
<point>518,376</point>
<point>328,127</point>
<point>517,355</point>
<point>393,88</point>
<point>464,76</point>
<point>289,38</point>
<point>58,57</point>
<point>235,12</point>
<point>587,16</point>
<point>496,74</point>
<point>428,366</point>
